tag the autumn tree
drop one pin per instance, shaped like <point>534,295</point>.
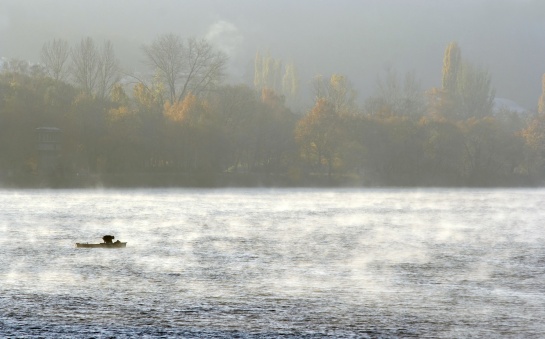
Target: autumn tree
<point>265,72</point>
<point>541,102</point>
<point>186,111</point>
<point>534,137</point>
<point>466,90</point>
<point>444,101</point>
<point>273,74</point>
<point>258,62</point>
<point>452,62</point>
<point>150,97</point>
<point>319,135</point>
<point>193,135</point>
<point>337,91</point>
<point>290,83</point>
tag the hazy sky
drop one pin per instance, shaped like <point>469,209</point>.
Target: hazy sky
<point>357,38</point>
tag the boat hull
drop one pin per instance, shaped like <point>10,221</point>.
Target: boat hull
<point>102,245</point>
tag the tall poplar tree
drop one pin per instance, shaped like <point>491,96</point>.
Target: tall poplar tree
<point>451,66</point>
<point>290,83</point>
<point>541,103</point>
<point>258,65</point>
<point>466,90</point>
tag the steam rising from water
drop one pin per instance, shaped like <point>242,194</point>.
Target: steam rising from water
<point>431,263</point>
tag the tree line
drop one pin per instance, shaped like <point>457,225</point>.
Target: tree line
<point>180,118</point>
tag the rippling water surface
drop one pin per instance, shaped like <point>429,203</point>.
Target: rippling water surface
<point>273,263</point>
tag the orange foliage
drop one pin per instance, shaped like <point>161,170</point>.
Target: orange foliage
<point>318,133</point>
<point>181,111</point>
<point>271,99</point>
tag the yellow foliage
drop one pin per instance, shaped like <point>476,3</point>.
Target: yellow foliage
<point>117,114</point>
<point>337,81</point>
<point>143,95</point>
<point>118,94</point>
<point>535,133</point>
<point>541,103</point>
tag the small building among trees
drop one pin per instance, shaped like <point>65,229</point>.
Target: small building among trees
<point>49,149</point>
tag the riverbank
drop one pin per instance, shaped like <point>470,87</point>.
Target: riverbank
<point>229,179</point>
<point>197,180</point>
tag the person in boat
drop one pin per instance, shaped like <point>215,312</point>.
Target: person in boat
<point>108,239</point>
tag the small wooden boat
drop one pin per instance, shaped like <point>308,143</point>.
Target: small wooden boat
<point>106,244</point>
<point>117,244</point>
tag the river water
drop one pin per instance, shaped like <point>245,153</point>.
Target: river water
<point>437,263</point>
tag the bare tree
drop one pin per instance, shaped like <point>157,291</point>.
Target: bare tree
<point>85,65</point>
<point>54,57</point>
<point>205,67</point>
<point>192,67</point>
<point>166,55</point>
<point>397,98</point>
<point>108,70</point>
<point>94,71</point>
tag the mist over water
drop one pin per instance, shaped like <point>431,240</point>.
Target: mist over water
<point>269,263</point>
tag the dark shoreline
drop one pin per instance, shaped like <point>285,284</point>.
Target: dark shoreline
<point>223,180</point>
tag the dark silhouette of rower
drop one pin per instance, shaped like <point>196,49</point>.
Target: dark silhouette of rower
<point>108,239</point>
